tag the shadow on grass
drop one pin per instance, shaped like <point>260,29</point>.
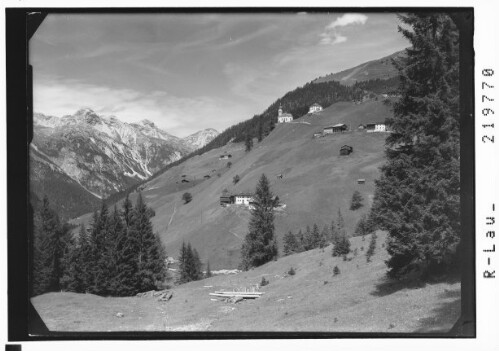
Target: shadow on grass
<point>388,286</point>
<point>444,316</point>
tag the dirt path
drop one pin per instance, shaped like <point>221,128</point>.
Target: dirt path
<point>173,214</point>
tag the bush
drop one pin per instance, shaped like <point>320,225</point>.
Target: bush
<point>291,271</point>
<point>264,282</point>
<point>236,179</point>
<point>229,164</point>
<point>356,202</point>
<point>187,197</point>
<point>336,270</point>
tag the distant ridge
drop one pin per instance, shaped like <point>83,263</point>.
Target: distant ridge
<point>382,68</point>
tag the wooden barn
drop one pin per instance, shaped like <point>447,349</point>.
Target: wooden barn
<point>375,127</point>
<point>361,181</point>
<point>346,150</point>
<point>225,157</point>
<point>226,200</point>
<point>337,128</point>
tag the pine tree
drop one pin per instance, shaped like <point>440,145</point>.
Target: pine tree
<point>300,240</point>
<point>51,241</point>
<point>290,244</point>
<point>208,273</point>
<point>417,198</point>
<point>325,237</point>
<point>372,247</point>
<point>183,276</point>
<point>313,238</point>
<point>342,243</point>
<point>248,142</point>
<point>260,245</point>
<point>127,211</point>
<point>356,201</point>
<point>151,255</point>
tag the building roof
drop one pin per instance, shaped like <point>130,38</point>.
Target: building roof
<point>285,114</point>
<point>346,147</point>
<point>336,126</point>
<point>243,194</point>
<point>374,123</point>
<point>316,104</point>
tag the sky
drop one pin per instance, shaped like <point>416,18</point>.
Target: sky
<point>187,72</point>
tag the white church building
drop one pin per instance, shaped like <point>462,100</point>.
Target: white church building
<point>315,108</point>
<point>283,117</point>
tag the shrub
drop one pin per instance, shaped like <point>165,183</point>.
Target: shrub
<point>291,271</point>
<point>264,282</point>
<point>356,202</point>
<point>187,197</point>
<point>336,270</point>
<point>236,179</point>
<point>229,164</point>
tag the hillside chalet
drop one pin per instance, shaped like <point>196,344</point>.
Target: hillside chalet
<point>237,199</point>
<point>337,128</point>
<point>375,127</point>
<point>346,150</point>
<point>283,117</point>
<point>315,108</point>
<point>225,157</point>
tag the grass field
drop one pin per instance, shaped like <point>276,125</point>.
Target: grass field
<point>316,182</point>
<point>359,299</point>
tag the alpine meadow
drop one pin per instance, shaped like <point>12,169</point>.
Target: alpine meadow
<point>329,202</point>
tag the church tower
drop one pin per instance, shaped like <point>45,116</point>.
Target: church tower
<point>279,112</point>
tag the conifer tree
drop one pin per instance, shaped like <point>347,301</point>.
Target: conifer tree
<point>313,237</point>
<point>99,255</point>
<point>300,241</point>
<point>260,245</point>
<point>127,211</point>
<point>342,243</point>
<point>372,247</point>
<point>290,244</point>
<point>74,274</point>
<point>248,142</point>
<point>417,198</point>
<point>325,237</point>
<point>356,201</point>
<point>208,273</point>
<point>150,255</point>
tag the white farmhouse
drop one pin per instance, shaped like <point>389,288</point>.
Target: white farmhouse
<point>283,117</point>
<point>315,108</point>
<point>243,199</point>
<point>375,127</point>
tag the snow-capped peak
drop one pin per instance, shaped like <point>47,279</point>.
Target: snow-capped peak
<point>201,138</point>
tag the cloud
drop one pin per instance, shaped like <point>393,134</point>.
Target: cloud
<point>331,36</point>
<point>347,19</point>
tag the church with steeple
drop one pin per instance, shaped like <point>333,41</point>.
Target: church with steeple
<point>283,117</point>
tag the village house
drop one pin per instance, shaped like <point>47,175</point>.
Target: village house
<point>225,157</point>
<point>283,117</point>
<point>243,199</point>
<point>346,150</point>
<point>337,128</point>
<point>315,108</point>
<point>361,181</point>
<point>375,127</point>
<point>226,200</point>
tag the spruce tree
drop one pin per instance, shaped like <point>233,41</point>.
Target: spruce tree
<point>325,237</point>
<point>417,198</point>
<point>290,244</point>
<point>342,243</point>
<point>313,237</point>
<point>300,241</point>
<point>260,245</point>
<point>150,255</point>
<point>208,273</point>
<point>50,245</point>
<point>248,142</point>
<point>127,211</point>
<point>372,247</point>
<point>356,201</point>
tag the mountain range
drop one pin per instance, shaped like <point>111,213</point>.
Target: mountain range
<point>95,156</point>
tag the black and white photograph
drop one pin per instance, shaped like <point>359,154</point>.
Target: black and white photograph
<point>281,172</point>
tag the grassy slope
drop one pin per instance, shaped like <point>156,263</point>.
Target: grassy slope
<point>316,183</point>
<point>376,69</point>
<point>357,300</point>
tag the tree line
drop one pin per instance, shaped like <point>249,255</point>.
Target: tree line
<point>118,255</point>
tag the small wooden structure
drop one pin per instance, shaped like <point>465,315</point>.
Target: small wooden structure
<point>376,127</point>
<point>226,200</point>
<point>185,181</point>
<point>346,150</point>
<point>207,176</point>
<point>337,128</point>
<point>361,181</point>
<point>317,134</point>
<point>225,157</point>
